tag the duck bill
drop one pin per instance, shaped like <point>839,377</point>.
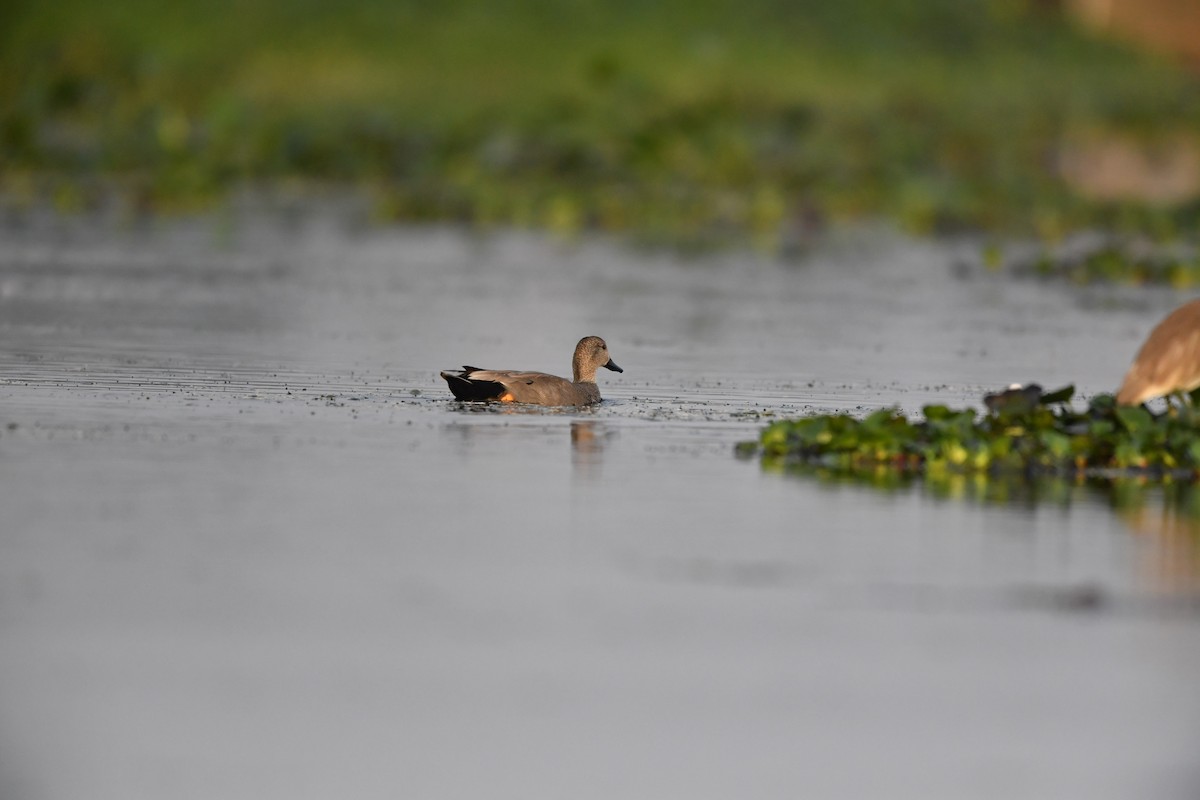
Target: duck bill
<point>613,366</point>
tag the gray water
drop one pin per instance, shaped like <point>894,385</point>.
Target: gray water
<point>251,548</point>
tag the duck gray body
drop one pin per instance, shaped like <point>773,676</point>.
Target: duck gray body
<point>537,388</point>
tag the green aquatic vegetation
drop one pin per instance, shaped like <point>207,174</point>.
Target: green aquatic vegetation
<point>1120,260</point>
<point>676,120</point>
<point>1022,431</point>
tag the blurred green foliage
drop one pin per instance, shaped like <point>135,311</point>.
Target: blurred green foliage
<point>697,118</point>
<point>1121,260</point>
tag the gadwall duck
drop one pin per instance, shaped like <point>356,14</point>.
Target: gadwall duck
<point>538,388</point>
<point>1169,361</point>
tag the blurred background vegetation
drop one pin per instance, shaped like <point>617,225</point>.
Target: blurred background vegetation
<point>677,118</point>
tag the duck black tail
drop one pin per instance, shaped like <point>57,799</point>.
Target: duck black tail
<point>468,390</point>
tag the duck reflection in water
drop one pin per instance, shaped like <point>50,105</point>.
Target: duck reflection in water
<point>588,439</point>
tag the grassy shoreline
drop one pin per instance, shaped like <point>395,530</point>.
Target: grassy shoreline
<point>673,120</point>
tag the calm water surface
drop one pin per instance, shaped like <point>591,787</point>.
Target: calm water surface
<point>251,549</point>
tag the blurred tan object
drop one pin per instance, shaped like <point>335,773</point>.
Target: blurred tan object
<point>1169,361</point>
<point>1165,26</point>
<point>1113,166</point>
